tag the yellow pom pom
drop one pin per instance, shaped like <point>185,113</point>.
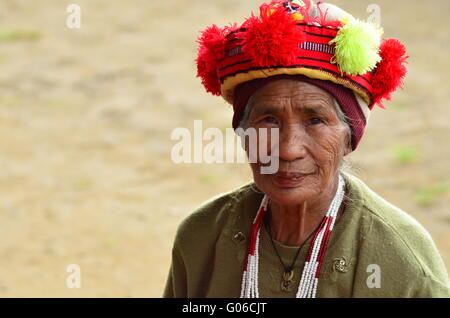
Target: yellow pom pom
<point>357,46</point>
<point>297,16</point>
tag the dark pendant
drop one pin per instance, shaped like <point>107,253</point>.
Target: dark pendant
<point>287,280</point>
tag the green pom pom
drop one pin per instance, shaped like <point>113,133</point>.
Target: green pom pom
<point>357,47</point>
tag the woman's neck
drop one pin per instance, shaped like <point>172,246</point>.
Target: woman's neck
<point>291,225</point>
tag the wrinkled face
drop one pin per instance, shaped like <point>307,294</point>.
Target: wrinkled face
<point>312,139</point>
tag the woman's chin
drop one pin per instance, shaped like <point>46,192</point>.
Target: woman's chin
<point>287,194</point>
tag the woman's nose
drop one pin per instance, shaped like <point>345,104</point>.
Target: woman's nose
<point>292,143</point>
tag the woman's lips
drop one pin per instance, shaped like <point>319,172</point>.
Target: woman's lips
<point>288,179</point>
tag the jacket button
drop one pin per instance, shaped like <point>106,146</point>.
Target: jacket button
<point>341,264</point>
<point>239,236</point>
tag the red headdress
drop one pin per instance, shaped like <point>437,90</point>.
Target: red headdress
<point>299,38</point>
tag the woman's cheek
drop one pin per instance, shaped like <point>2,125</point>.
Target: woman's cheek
<point>326,155</point>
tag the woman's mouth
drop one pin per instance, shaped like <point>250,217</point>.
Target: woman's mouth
<point>288,179</point>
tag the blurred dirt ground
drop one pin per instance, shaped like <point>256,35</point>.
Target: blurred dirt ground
<point>85,122</point>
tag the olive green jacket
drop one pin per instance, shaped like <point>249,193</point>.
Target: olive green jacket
<point>375,250</point>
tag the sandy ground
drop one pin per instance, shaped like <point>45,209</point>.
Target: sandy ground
<point>85,122</point>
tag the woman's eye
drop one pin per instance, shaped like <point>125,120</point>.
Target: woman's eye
<point>315,121</point>
<point>270,120</point>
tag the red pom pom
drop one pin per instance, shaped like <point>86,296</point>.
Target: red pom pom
<point>210,51</point>
<point>390,71</point>
<point>273,38</point>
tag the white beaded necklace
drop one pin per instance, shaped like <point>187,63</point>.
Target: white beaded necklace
<point>310,275</point>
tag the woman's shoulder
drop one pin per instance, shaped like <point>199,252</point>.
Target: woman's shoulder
<point>392,219</point>
<point>210,218</point>
<point>383,211</point>
<point>390,229</point>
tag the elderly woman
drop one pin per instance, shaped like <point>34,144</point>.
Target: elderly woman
<point>313,73</point>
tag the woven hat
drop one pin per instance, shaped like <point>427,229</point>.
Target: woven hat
<point>319,41</point>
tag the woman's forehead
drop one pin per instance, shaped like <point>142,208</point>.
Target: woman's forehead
<point>290,89</point>
<point>307,97</point>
